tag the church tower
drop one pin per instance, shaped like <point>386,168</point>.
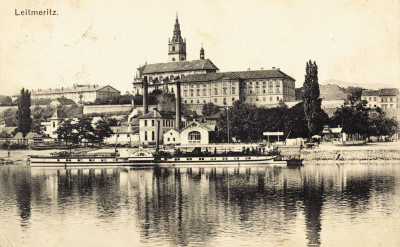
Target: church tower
<point>177,45</point>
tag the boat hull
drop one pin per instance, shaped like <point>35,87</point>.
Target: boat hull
<point>215,161</point>
<point>148,161</point>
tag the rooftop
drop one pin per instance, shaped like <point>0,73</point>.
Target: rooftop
<point>205,64</point>
<point>75,88</point>
<point>252,74</point>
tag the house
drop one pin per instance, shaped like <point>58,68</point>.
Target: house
<point>50,127</point>
<point>123,135</point>
<point>333,134</point>
<point>194,134</point>
<point>151,122</point>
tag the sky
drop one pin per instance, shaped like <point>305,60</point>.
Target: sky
<point>103,42</point>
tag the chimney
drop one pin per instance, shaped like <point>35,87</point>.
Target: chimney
<point>248,69</point>
<point>145,96</point>
<point>273,68</point>
<point>278,69</point>
<point>178,105</point>
<point>262,68</point>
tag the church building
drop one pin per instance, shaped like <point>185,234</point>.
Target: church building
<point>201,81</point>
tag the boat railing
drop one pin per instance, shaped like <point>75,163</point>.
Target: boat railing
<point>76,155</point>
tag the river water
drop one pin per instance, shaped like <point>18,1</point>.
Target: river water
<point>315,205</point>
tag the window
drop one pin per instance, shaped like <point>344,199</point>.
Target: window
<point>145,135</point>
<point>54,124</point>
<point>374,98</point>
<point>257,89</point>
<point>233,90</point>
<point>215,100</point>
<point>250,89</point>
<point>271,87</point>
<point>185,93</point>
<point>198,92</point>
<point>191,92</point>
<point>224,101</point>
<point>194,137</point>
<point>152,122</point>
<point>278,85</point>
<point>152,135</point>
<point>191,101</point>
<point>168,139</point>
<point>233,99</point>
<point>173,139</point>
<point>204,92</point>
<point>369,99</point>
<point>198,101</point>
<point>173,49</point>
<point>215,91</point>
<point>270,98</point>
<point>145,122</point>
<point>204,101</point>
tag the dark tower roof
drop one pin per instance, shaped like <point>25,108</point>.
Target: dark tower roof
<point>177,31</point>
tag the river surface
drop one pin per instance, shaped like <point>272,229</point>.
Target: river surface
<point>315,205</point>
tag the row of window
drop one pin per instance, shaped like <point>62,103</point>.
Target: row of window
<point>205,101</point>
<point>166,123</point>
<point>250,99</point>
<point>204,92</point>
<point>382,99</point>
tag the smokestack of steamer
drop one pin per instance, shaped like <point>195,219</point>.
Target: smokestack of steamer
<point>178,105</point>
<point>145,96</point>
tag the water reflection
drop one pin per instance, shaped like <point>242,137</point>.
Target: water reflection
<point>198,206</point>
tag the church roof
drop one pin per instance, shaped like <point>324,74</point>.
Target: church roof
<point>255,74</point>
<point>205,64</point>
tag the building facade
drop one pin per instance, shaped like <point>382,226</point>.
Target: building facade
<point>151,122</point>
<point>77,93</point>
<point>385,98</point>
<point>202,83</point>
<point>260,87</point>
<point>50,127</point>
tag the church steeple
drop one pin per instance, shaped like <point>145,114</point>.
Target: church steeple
<point>201,53</point>
<point>177,45</point>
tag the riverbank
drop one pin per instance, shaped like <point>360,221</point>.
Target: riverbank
<point>370,151</point>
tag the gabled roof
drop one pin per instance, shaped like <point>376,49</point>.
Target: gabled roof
<point>388,92</point>
<point>59,114</point>
<point>32,135</point>
<point>205,64</point>
<point>158,115</point>
<point>208,127</point>
<point>244,75</point>
<point>18,136</point>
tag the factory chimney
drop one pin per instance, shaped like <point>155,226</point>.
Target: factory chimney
<point>145,96</point>
<point>178,105</point>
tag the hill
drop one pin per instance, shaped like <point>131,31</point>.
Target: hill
<point>345,84</point>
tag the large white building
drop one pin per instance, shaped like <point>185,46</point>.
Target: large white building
<point>77,93</point>
<point>202,83</point>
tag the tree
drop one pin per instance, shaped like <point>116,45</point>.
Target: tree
<point>103,129</point>
<point>166,101</point>
<point>311,100</point>
<point>24,112</point>
<point>5,100</point>
<point>65,131</point>
<point>85,130</point>
<point>209,109</point>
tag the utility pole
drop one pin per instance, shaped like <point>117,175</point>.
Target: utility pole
<point>227,121</point>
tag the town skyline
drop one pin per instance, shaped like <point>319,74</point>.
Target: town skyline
<point>106,43</point>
